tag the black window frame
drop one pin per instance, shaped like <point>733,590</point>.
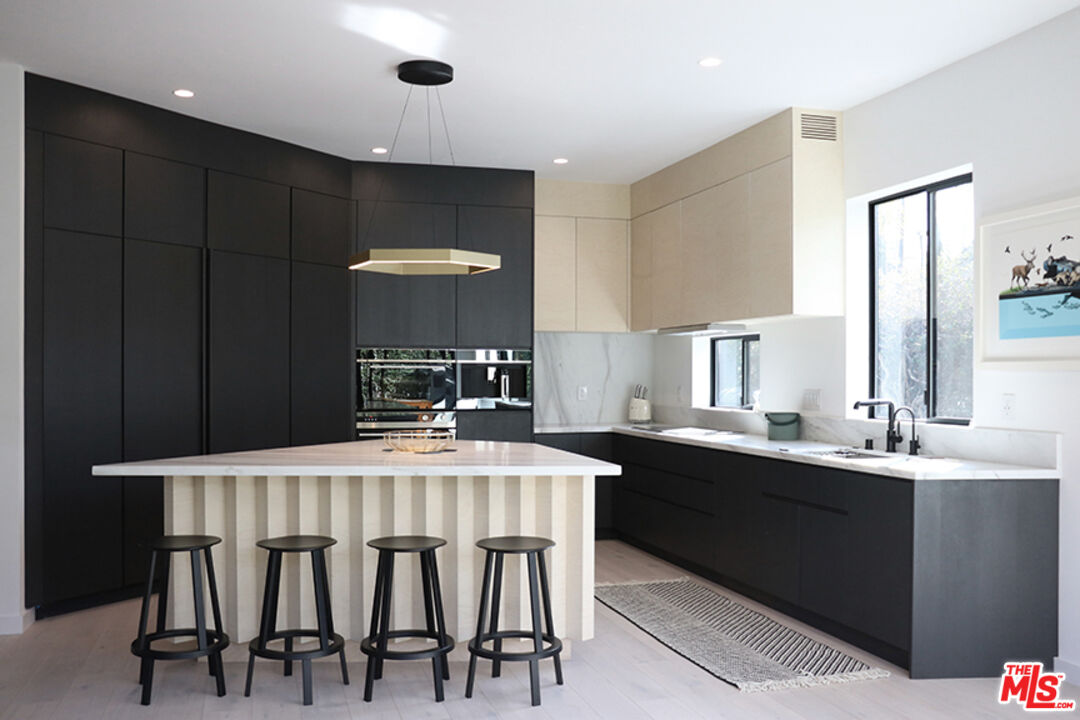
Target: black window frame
<point>745,341</point>
<point>930,394</point>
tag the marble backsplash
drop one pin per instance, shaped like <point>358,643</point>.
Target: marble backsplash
<point>1013,447</point>
<point>608,365</point>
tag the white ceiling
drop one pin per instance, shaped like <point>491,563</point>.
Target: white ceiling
<point>613,85</point>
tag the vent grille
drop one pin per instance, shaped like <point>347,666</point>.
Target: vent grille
<point>818,127</point>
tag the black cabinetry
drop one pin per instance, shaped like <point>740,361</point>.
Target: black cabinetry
<point>249,352</point>
<point>163,380</point>
<point>494,309</point>
<point>497,425</point>
<point>601,447</point>
<point>83,186</point>
<point>246,215</point>
<point>929,574</point>
<point>398,310</point>
<point>320,411</point>
<point>164,201</point>
<point>82,354</point>
<point>321,228</point>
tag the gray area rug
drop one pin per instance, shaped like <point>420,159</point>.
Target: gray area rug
<point>736,644</point>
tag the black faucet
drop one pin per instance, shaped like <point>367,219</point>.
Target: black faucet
<point>892,435</point>
<point>913,444</point>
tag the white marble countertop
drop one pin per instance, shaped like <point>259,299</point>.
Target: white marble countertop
<point>899,465</point>
<point>373,458</point>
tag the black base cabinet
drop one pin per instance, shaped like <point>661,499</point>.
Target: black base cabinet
<point>941,577</point>
<point>495,425</point>
<point>599,446</point>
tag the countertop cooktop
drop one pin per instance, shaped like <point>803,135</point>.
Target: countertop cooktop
<point>899,464</point>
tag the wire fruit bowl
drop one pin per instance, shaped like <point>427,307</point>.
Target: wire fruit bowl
<point>418,441</point>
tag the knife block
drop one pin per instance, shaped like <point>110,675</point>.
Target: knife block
<point>640,410</point>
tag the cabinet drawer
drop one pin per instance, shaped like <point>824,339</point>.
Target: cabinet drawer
<point>676,489</point>
<point>679,531</point>
<point>670,457</point>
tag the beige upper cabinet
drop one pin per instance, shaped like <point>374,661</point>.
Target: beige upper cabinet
<point>752,227</point>
<point>582,257</point>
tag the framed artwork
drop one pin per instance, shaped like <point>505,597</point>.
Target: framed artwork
<point>1029,285</point>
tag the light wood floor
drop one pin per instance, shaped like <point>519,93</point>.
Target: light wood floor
<point>79,666</point>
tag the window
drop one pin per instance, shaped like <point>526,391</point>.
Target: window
<point>922,291</point>
<point>736,378</point>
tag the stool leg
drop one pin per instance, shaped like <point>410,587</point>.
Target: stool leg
<point>496,600</point>
<point>163,592</point>
<point>534,602</point>
<point>250,672</point>
<point>216,669</point>
<point>379,621</point>
<point>306,665</point>
<point>147,680</point>
<point>144,612</point>
<point>287,671</point>
<point>197,587</point>
<point>547,613</point>
<point>440,619</point>
<point>429,615</point>
<point>330,617</point>
<point>318,574</point>
<point>479,639</point>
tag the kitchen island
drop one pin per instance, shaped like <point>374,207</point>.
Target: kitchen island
<point>356,491</point>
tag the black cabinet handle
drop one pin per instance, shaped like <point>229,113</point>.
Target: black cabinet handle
<point>804,503</point>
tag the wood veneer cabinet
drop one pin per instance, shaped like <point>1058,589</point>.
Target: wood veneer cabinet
<point>582,257</point>
<point>751,227</point>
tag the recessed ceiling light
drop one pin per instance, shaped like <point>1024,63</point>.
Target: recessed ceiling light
<point>710,62</point>
<point>182,93</point>
<point>379,150</point>
<point>560,161</point>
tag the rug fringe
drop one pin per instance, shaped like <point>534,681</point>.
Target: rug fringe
<point>812,681</point>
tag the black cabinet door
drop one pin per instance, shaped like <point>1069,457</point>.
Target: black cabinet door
<point>500,425</point>
<point>82,530</point>
<point>163,383</point>
<point>83,186</point>
<point>248,352</point>
<point>570,442</point>
<point>879,557</point>
<point>773,534</point>
<point>397,310</point>
<point>164,201</point>
<point>823,574</point>
<point>321,404</point>
<point>495,309</point>
<point>246,215</point>
<point>321,228</point>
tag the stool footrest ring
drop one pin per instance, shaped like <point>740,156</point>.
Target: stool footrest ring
<point>369,646</point>
<point>553,648</point>
<point>334,646</point>
<point>215,642</point>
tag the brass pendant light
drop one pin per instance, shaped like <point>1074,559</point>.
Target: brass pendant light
<point>423,261</point>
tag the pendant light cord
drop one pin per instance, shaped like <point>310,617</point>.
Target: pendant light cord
<point>427,103</point>
<point>438,96</point>
<point>400,122</point>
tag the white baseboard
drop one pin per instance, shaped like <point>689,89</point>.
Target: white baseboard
<point>1070,668</point>
<point>16,624</point>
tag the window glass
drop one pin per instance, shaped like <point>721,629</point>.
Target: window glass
<point>727,372</point>
<point>955,300</point>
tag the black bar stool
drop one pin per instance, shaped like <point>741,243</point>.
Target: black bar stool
<point>375,645</point>
<point>209,643</point>
<point>533,548</point>
<point>329,641</point>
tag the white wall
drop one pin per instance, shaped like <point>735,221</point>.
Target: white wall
<point>13,616</point>
<point>1013,113</point>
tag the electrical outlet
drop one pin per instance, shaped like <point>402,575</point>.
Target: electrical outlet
<point>811,399</point>
<point>582,392</point>
<point>1008,404</point>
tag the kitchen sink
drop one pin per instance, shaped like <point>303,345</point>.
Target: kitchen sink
<point>846,454</point>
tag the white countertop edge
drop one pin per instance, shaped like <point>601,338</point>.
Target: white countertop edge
<point>164,470</point>
<point>898,466</point>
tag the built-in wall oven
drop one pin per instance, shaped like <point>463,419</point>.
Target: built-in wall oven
<point>408,388</point>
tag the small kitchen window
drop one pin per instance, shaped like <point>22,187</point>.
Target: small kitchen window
<point>736,375</point>
<point>922,294</point>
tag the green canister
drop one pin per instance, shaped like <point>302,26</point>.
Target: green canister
<point>783,425</point>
